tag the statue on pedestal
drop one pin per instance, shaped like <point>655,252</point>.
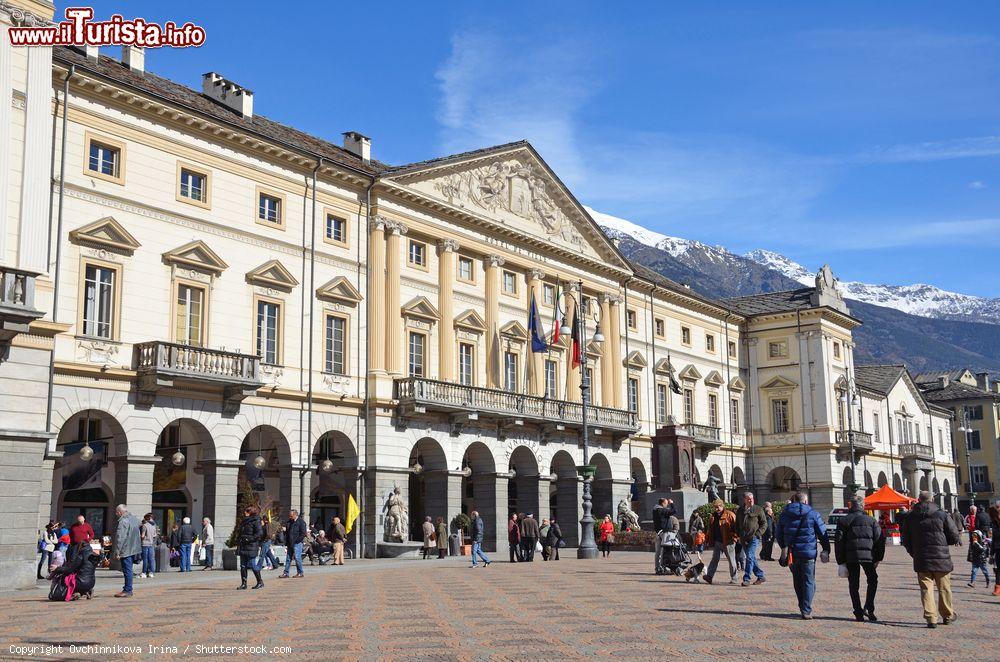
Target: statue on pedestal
<point>711,487</point>
<point>395,528</point>
<point>627,518</point>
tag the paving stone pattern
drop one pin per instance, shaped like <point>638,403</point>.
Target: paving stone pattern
<point>444,610</point>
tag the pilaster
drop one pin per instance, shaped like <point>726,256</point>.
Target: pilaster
<point>614,335</point>
<point>222,499</point>
<point>492,267</point>
<point>134,482</point>
<point>446,327</point>
<point>608,368</point>
<point>536,371</point>
<point>376,303</point>
<point>572,372</point>
<point>754,393</point>
<point>808,419</point>
<point>394,316</point>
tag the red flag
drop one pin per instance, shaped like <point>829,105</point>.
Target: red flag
<point>575,335</point>
<point>555,318</point>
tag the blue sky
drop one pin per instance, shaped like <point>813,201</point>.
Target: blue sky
<point>866,135</point>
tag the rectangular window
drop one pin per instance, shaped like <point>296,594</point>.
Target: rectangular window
<point>189,326</point>
<point>336,229</point>
<point>466,271</point>
<point>268,331</point>
<point>193,185</point>
<point>916,432</point>
<point>975,412</point>
<point>631,319</point>
<point>685,335</point>
<point>732,349</point>
<point>336,339</point>
<point>979,475</point>
<point>416,354</point>
<point>734,416</point>
<point>779,411</point>
<point>899,431</point>
<point>510,372</point>
<point>777,349</point>
<point>660,327</point>
<point>105,159</point>
<point>688,405</point>
<point>509,282</point>
<point>633,394</point>
<point>875,427</point>
<point>940,440</point>
<point>974,442</point>
<point>417,254</point>
<point>269,208</point>
<point>549,294</point>
<point>661,403</point>
<point>590,386</point>
<point>713,410</point>
<point>709,342</point>
<point>836,350</point>
<point>840,411</point>
<point>551,379</point>
<point>99,301</point>
<point>466,364</point>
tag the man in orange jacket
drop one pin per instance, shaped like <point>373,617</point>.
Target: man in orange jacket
<point>721,538</point>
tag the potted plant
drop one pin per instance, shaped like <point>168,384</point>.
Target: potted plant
<point>460,524</point>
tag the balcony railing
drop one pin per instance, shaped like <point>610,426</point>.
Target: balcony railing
<point>862,441</point>
<point>159,363</point>
<point>917,451</point>
<point>702,434</point>
<point>418,395</point>
<point>17,302</point>
<point>979,488</point>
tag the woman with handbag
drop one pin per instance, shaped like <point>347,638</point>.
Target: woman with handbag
<point>429,533</point>
<point>77,577</point>
<point>607,531</point>
<point>248,546</point>
<point>441,538</point>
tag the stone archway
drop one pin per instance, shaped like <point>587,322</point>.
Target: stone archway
<point>782,483</point>
<point>897,483</point>
<point>334,479</point>
<point>184,479</point>
<point>602,492</point>
<point>640,484</point>
<point>522,487</point>
<point>882,479</point>
<point>266,471</point>
<point>427,485</point>
<point>565,496</point>
<point>479,491</point>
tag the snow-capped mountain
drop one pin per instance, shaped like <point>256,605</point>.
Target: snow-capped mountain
<point>918,299</point>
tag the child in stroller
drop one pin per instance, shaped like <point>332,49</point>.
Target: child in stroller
<point>674,557</point>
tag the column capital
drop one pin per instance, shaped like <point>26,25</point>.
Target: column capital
<point>610,299</point>
<point>494,261</point>
<point>395,227</point>
<point>379,223</point>
<point>447,246</point>
<point>535,274</point>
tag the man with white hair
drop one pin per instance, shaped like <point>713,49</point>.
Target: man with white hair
<point>208,542</point>
<point>127,547</point>
<point>186,536</point>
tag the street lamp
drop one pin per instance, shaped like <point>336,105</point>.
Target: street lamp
<point>585,306</point>
<point>849,403</point>
<point>967,429</point>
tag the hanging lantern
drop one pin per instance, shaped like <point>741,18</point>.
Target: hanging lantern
<point>177,459</point>
<point>326,466</point>
<point>86,452</point>
<point>259,462</point>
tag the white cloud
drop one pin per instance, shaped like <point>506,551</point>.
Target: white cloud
<point>977,185</point>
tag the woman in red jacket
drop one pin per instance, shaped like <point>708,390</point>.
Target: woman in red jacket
<point>607,531</point>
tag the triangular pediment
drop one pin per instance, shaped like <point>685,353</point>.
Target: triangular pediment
<point>714,379</point>
<point>779,382</point>
<point>841,384</point>
<point>470,320</point>
<point>636,360</point>
<point>105,233</point>
<point>737,384</point>
<point>339,289</point>
<point>594,348</point>
<point>421,307</point>
<point>514,330</point>
<point>510,188</point>
<point>690,373</point>
<point>272,274</point>
<point>664,367</point>
<point>196,255</point>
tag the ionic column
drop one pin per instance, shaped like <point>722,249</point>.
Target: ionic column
<point>394,317</point>
<point>607,356</point>
<point>493,264</point>
<point>446,328</point>
<point>376,304</point>
<point>536,359</point>
<point>572,373</point>
<point>614,336</point>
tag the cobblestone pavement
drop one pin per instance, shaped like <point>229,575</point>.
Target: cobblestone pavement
<point>444,610</point>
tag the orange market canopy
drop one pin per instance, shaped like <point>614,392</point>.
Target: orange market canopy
<point>887,498</point>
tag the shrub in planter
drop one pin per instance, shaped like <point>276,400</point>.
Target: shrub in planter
<point>707,509</point>
<point>640,541</point>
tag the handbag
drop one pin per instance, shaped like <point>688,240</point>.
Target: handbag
<point>842,571</point>
<point>58,590</point>
<point>611,539</point>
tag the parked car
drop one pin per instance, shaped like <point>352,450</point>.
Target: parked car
<point>831,521</point>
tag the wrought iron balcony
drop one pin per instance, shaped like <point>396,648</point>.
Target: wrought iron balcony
<point>979,488</point>
<point>17,302</point>
<point>159,364</point>
<point>922,452</point>
<point>419,396</point>
<point>863,444</point>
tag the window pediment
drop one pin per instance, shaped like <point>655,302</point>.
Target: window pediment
<point>737,384</point>
<point>339,289</point>
<point>272,274</point>
<point>636,359</point>
<point>514,330</point>
<point>470,320</point>
<point>664,367</point>
<point>421,308</point>
<point>714,379</point>
<point>690,373</point>
<point>779,382</point>
<point>196,255</point>
<point>106,233</point>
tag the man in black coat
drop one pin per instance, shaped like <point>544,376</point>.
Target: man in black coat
<point>927,534</point>
<point>529,536</point>
<point>295,535</point>
<point>860,546</point>
<point>555,538</point>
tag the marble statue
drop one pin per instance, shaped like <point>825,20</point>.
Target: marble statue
<point>711,487</point>
<point>627,518</point>
<point>395,527</point>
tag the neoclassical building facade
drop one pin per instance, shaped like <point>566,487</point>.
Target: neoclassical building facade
<point>221,303</point>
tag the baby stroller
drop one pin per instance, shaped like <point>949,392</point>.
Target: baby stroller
<point>674,558</point>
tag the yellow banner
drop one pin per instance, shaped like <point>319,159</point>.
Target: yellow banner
<point>352,512</point>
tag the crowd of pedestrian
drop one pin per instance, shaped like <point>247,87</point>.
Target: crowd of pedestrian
<point>525,538</point>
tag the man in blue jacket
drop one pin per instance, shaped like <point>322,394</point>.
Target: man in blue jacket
<point>799,529</point>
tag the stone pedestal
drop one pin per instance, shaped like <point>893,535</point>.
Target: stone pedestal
<point>673,459</point>
<point>686,500</point>
<point>399,550</point>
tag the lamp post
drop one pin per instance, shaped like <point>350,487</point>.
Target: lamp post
<point>967,429</point>
<point>588,546</point>
<point>850,398</point>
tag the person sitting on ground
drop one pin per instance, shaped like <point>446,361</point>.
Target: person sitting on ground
<point>82,567</point>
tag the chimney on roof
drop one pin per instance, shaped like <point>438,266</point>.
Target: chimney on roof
<point>943,381</point>
<point>358,144</point>
<point>92,52</point>
<point>995,387</point>
<point>228,93</point>
<point>134,58</point>
<point>983,380</point>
